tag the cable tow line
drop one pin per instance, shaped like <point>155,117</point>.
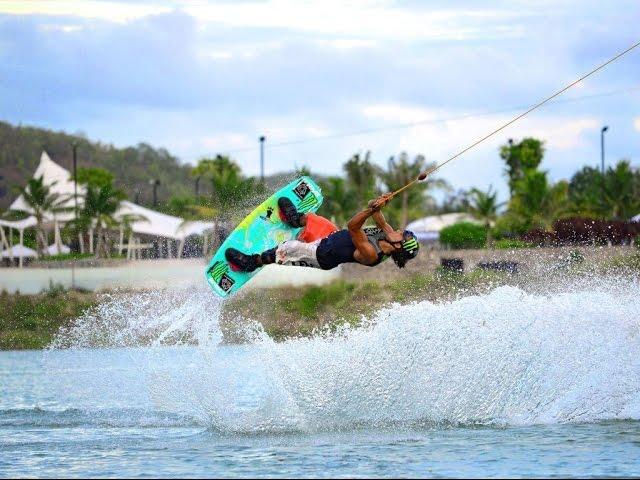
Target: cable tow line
<point>429,171</point>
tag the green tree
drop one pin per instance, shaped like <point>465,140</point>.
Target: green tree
<point>484,206</point>
<point>230,189</point>
<point>361,178</point>
<point>42,201</point>
<point>520,158</point>
<point>621,191</point>
<point>412,201</point>
<point>100,206</point>
<point>614,196</point>
<point>229,186</point>
<point>585,193</point>
<point>95,176</point>
<point>338,203</point>
<point>537,203</point>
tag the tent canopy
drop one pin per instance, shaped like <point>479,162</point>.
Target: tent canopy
<point>60,181</point>
<point>18,251</point>
<point>19,224</point>
<point>145,221</point>
<point>159,224</point>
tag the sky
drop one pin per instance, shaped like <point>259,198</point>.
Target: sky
<point>204,77</point>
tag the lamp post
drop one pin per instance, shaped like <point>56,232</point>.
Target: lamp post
<point>154,183</point>
<point>602,131</point>
<point>262,139</point>
<point>74,147</point>
<point>197,187</point>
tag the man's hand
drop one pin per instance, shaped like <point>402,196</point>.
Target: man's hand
<point>380,202</point>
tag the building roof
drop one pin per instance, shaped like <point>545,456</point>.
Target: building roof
<point>160,224</point>
<point>19,224</point>
<point>59,179</point>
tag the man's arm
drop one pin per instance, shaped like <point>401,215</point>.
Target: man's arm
<point>365,253</point>
<point>381,222</point>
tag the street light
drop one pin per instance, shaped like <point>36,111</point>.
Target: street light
<point>154,183</point>
<point>262,139</point>
<point>602,131</point>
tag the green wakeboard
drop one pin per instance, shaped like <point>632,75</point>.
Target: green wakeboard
<point>261,230</point>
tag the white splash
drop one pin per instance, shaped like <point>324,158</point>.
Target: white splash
<point>505,358</point>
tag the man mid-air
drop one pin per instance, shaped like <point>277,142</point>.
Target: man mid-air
<point>321,245</point>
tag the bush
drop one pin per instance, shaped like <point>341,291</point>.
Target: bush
<point>508,244</point>
<point>584,231</point>
<point>464,235</point>
<point>540,237</point>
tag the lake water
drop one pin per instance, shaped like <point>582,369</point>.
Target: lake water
<point>507,384</point>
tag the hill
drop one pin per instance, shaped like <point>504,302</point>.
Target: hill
<point>133,167</point>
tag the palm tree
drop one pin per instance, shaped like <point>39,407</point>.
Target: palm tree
<point>484,206</point>
<point>42,201</point>
<point>401,171</point>
<point>338,203</point>
<point>538,203</point>
<point>229,187</point>
<point>361,177</point>
<point>100,206</point>
<point>621,196</point>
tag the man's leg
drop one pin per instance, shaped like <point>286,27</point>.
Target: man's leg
<point>289,214</point>
<point>248,263</point>
<point>291,252</point>
<point>315,226</point>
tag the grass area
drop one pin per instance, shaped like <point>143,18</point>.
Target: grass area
<point>509,244</point>
<point>67,256</point>
<point>75,256</point>
<point>30,321</point>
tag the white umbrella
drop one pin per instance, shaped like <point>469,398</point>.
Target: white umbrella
<point>19,251</point>
<point>53,249</point>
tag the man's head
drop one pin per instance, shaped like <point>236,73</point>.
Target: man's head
<point>401,246</point>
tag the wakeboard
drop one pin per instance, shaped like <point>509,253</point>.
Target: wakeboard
<point>261,230</point>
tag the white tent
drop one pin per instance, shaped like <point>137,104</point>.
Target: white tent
<point>60,181</point>
<point>144,220</point>
<point>19,251</point>
<point>160,224</point>
<point>428,228</point>
<point>54,249</point>
<point>636,218</point>
<point>19,224</point>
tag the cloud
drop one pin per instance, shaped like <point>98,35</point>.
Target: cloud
<point>113,11</point>
<point>636,124</point>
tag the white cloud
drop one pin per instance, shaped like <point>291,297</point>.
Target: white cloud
<point>113,11</point>
<point>361,19</point>
<point>636,124</point>
<point>447,131</point>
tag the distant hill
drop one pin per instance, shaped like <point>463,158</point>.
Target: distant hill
<point>133,167</point>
